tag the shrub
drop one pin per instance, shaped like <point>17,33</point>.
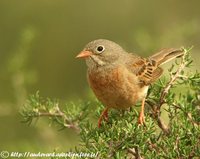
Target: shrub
<point>175,136</point>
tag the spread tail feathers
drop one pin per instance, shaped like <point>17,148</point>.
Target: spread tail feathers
<point>166,55</point>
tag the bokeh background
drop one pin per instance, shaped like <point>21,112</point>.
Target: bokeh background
<point>39,40</point>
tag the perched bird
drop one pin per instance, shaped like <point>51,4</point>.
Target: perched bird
<point>120,79</point>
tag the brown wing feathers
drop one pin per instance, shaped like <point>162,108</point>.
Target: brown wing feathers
<point>166,55</point>
<point>148,70</point>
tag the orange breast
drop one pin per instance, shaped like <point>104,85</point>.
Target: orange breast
<point>117,88</point>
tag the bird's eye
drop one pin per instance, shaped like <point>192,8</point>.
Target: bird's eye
<point>100,49</point>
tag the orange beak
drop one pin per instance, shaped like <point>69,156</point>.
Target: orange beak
<point>84,54</point>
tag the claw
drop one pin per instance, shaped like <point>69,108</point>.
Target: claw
<point>141,117</point>
<point>104,115</point>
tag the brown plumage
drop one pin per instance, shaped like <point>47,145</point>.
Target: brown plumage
<point>120,79</point>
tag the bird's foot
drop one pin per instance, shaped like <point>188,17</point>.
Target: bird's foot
<point>104,115</point>
<point>141,120</point>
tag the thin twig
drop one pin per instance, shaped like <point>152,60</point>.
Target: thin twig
<point>47,114</point>
<point>189,115</point>
<point>163,126</point>
<point>135,152</point>
<point>165,91</point>
<point>157,107</point>
<point>67,123</point>
<point>132,151</point>
<point>115,146</point>
<point>156,116</point>
<point>173,78</point>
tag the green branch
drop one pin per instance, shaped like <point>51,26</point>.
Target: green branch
<point>37,107</point>
<point>121,136</point>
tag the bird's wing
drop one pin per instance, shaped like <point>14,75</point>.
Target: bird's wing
<point>146,70</point>
<point>166,55</point>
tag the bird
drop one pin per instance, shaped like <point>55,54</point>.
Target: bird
<point>120,79</point>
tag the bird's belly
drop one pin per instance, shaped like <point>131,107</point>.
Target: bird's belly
<point>117,88</point>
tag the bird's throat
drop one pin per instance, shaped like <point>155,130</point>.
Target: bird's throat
<point>94,61</point>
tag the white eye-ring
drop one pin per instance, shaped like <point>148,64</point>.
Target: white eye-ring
<point>100,49</point>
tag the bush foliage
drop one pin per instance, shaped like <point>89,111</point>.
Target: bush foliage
<point>174,135</point>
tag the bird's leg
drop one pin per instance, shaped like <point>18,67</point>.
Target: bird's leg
<point>141,117</point>
<point>104,115</point>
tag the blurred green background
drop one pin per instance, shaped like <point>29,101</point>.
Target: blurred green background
<point>39,40</point>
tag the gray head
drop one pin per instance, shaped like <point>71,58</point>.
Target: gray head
<point>101,52</point>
